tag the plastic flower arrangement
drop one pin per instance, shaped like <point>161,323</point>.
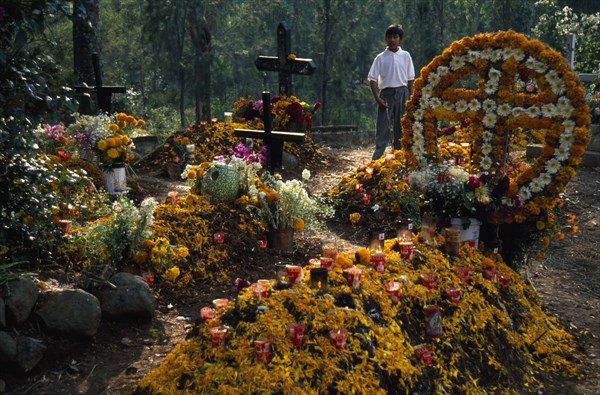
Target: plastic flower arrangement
<point>54,139</point>
<point>553,105</point>
<point>288,112</point>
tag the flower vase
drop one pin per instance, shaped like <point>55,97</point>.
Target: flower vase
<point>221,183</point>
<point>281,239</point>
<point>115,179</point>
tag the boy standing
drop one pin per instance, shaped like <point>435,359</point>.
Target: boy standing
<point>391,79</point>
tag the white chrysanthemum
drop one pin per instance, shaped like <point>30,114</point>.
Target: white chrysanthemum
<point>486,53</point>
<point>552,166</point>
<point>490,88</point>
<point>489,120</point>
<point>419,113</point>
<point>496,55</point>
<point>525,194</point>
<point>566,139</point>
<point>458,174</point>
<point>184,175</point>
<point>305,174</point>
<point>488,105</point>
<point>558,87</point>
<point>418,179</point>
<point>517,111</point>
<point>506,201</point>
<point>545,178</point>
<point>530,63</point>
<point>461,106</point>
<point>474,105</point>
<point>486,148</point>
<point>487,135</point>
<point>449,106</point>
<point>456,62</point>
<point>519,54</point>
<point>427,91</point>
<point>569,125</point>
<point>472,56</point>
<point>433,79</point>
<point>549,110</point>
<point>533,112</point>
<point>536,186</point>
<point>443,70</point>
<point>417,127</point>
<point>485,163</point>
<point>552,76</point>
<point>418,139</point>
<point>423,102</point>
<point>504,109</point>
<point>482,194</point>
<point>565,112</point>
<point>562,152</point>
<point>436,102</point>
<point>508,52</point>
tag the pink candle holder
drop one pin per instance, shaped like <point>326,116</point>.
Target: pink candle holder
<point>433,322</point>
<point>219,237</point>
<point>261,243</point>
<point>259,290</point>
<point>207,313</point>
<point>296,334</point>
<point>294,273</point>
<point>358,188</point>
<point>203,123</point>
<point>338,338</point>
<point>172,197</point>
<point>263,349</point>
<point>314,262</point>
<point>353,276</point>
<point>428,279</point>
<point>393,288</point>
<point>221,303</point>
<point>453,295</point>
<point>463,273</point>
<point>329,248</point>
<point>65,225</point>
<point>407,250</point>
<point>378,261</point>
<point>327,263</point>
<point>504,279</point>
<point>148,278</point>
<point>423,353</point>
<point>217,335</point>
<point>214,120</point>
<point>366,199</point>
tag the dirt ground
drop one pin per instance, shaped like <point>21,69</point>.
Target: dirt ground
<point>568,282</point>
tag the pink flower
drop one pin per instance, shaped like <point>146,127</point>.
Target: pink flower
<point>474,182</point>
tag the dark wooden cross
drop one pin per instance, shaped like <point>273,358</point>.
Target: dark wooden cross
<point>283,64</point>
<point>103,93</point>
<point>273,139</point>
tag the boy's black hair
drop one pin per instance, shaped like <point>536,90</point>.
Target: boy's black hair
<point>394,29</point>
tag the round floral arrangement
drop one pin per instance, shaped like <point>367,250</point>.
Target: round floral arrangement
<point>521,85</point>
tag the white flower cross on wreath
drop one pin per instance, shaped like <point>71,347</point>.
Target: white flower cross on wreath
<point>499,63</point>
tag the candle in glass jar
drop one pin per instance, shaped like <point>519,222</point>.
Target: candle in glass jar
<point>452,245</point>
<point>378,261</point>
<point>327,263</point>
<point>217,335</point>
<point>263,349</point>
<point>329,248</point>
<point>433,322</point>
<point>318,278</point>
<point>220,303</point>
<point>407,249</point>
<point>65,225</point>
<point>393,288</point>
<point>491,274</point>
<point>219,237</point>
<point>463,273</point>
<point>423,353</point>
<point>214,120</point>
<point>207,313</point>
<point>261,243</point>
<point>173,197</point>
<point>353,276</point>
<point>259,290</point>
<point>338,338</point>
<point>296,334</point>
<point>453,295</point>
<point>294,273</point>
<point>504,279</point>
<point>428,279</point>
<point>228,116</point>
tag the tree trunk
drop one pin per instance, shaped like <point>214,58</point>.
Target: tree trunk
<point>86,38</point>
<point>201,39</point>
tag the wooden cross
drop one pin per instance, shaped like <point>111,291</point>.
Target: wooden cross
<point>283,63</point>
<point>273,139</point>
<point>103,93</point>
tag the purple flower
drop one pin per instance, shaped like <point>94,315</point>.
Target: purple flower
<point>240,284</point>
<point>474,182</point>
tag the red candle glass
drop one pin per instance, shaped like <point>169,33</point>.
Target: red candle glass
<point>358,188</point>
<point>423,353</point>
<point>491,274</point>
<point>329,248</point>
<point>504,279</point>
<point>428,279</point>
<point>262,243</point>
<point>353,275</point>
<point>220,303</point>
<point>433,322</point>
<point>148,278</point>
<point>378,261</point>
<point>453,295</point>
<point>259,290</point>
<point>172,197</point>
<point>338,338</point>
<point>327,263</point>
<point>207,313</point>
<point>294,273</point>
<point>407,250</point>
<point>263,350</point>
<point>296,334</point>
<point>218,334</point>
<point>393,288</point>
<point>219,237</point>
<point>463,273</point>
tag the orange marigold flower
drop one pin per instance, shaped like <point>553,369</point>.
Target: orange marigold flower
<point>363,255</point>
<point>140,257</point>
<point>112,153</point>
<point>559,235</point>
<point>488,263</point>
<point>539,255</point>
<point>571,218</point>
<point>298,224</point>
<point>102,145</point>
<point>574,229</point>
<point>354,218</point>
<point>114,127</point>
<point>141,122</point>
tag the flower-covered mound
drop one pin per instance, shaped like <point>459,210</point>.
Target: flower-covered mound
<point>495,339</point>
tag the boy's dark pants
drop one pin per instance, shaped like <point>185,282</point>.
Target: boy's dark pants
<point>396,100</point>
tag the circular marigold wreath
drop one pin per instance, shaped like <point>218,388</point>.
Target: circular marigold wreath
<point>502,63</point>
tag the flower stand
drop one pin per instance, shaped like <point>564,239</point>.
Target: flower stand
<point>115,180</point>
<point>281,239</point>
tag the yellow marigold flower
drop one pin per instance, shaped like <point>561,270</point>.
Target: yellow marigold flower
<point>148,243</point>
<point>131,120</point>
<point>140,257</point>
<point>298,224</point>
<point>113,141</point>
<point>291,56</point>
<point>112,153</point>
<point>354,218</point>
<point>571,218</point>
<point>140,122</point>
<point>344,261</point>
<point>559,235</point>
<point>271,195</point>
<point>172,273</point>
<point>183,252</point>
<point>363,255</point>
<point>114,127</point>
<point>574,229</point>
<point>124,140</point>
<point>540,225</point>
<point>121,117</point>
<point>191,174</point>
<point>63,139</point>
<point>102,145</point>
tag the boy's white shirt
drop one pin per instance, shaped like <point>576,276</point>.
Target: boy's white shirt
<point>384,70</point>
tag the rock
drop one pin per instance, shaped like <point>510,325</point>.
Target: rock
<point>131,300</point>
<point>30,352</point>
<point>23,294</point>
<point>8,347</point>
<point>70,311</point>
<point>2,314</point>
